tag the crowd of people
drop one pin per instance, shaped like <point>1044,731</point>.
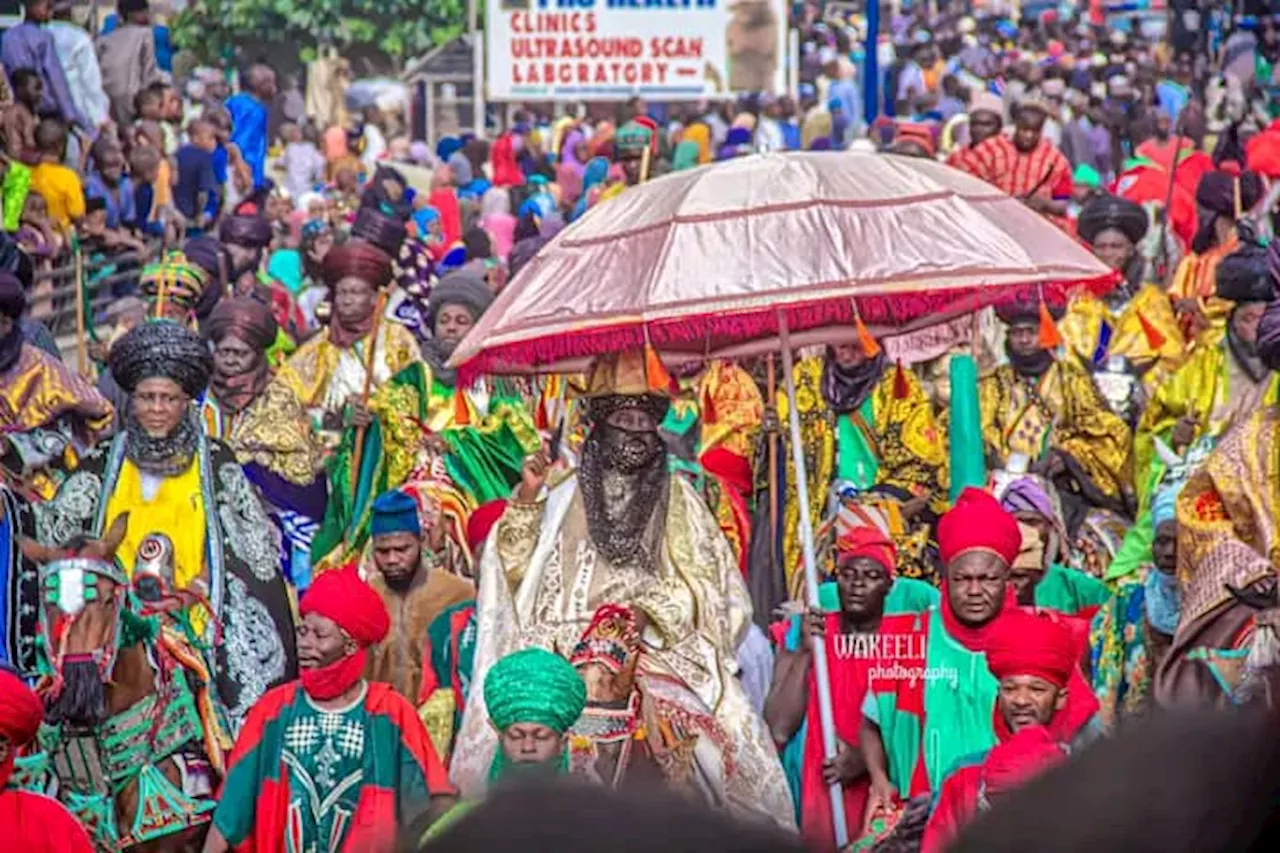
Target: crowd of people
<point>273,576</point>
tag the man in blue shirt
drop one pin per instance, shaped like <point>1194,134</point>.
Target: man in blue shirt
<point>249,119</point>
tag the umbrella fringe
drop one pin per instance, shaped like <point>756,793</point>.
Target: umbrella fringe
<point>885,311</point>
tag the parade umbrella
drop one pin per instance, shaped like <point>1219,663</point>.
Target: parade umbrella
<point>769,252</point>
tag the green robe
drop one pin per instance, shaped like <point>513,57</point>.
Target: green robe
<point>1070,591</point>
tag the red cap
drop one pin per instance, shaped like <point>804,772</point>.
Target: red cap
<point>481,521</point>
<point>978,523</point>
<point>1026,643</point>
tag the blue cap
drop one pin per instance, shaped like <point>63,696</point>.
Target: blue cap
<point>395,512</point>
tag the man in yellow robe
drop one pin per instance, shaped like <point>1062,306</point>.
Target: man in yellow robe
<point>623,530</point>
<point>1228,517</point>
<point>328,373</point>
<point>1220,384</point>
<point>1135,321</point>
<point>47,413</point>
<point>867,427</point>
<point>1049,412</point>
<point>1222,198</point>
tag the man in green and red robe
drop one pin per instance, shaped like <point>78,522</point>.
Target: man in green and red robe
<point>919,723</point>
<point>1034,656</point>
<point>330,761</point>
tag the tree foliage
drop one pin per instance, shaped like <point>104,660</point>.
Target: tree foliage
<point>296,29</point>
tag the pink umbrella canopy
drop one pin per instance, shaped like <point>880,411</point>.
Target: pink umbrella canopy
<point>700,263</point>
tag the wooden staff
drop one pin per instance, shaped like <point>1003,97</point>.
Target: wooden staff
<point>82,341</point>
<point>646,156</point>
<point>773,463</point>
<point>369,361</point>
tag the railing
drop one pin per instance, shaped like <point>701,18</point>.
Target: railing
<point>57,308</point>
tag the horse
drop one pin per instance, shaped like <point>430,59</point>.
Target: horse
<point>132,738</point>
<point>631,731</point>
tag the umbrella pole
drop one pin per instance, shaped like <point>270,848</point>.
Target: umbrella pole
<point>826,714</point>
<point>773,473</point>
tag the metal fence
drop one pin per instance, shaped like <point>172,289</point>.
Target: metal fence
<point>104,280</point>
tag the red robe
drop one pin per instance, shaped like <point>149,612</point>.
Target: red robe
<point>33,823</point>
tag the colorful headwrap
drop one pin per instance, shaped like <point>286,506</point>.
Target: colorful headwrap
<point>174,281</point>
<point>481,521</point>
<point>21,711</point>
<point>395,512</point>
<point>340,595</point>
<point>1025,643</point>
<point>1109,212</point>
<point>978,523</point>
<point>1269,335</point>
<point>1027,754</point>
<point>534,686</point>
<point>1164,504</point>
<point>1245,275</point>
<point>866,541</point>
<point>247,319</point>
<point>359,259</point>
<point>161,348</point>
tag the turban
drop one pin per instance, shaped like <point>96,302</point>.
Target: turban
<point>1020,759</point>
<point>21,711</point>
<point>867,541</point>
<point>918,134</point>
<point>481,521</point>
<point>341,596</point>
<point>534,686</point>
<point>1245,275</point>
<point>208,254</point>
<point>165,349</point>
<point>1026,643</point>
<point>359,259</point>
<point>1165,503</point>
<point>1269,336</point>
<point>376,227</point>
<point>986,102</point>
<point>737,136</point>
<point>465,287</point>
<point>253,231</point>
<point>978,523</point>
<point>175,280</point>
<point>13,296</point>
<point>1109,212</point>
<point>395,512</point>
<point>1025,308</point>
<point>245,318</point>
<point>1228,195</point>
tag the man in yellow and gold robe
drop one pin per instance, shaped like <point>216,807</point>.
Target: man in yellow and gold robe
<point>47,413</point>
<point>1220,383</point>
<point>1136,319</point>
<point>1228,517</point>
<point>1049,412</point>
<point>869,433</point>
<point>1222,198</point>
<point>623,530</point>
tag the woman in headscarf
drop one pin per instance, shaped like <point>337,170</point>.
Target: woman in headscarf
<point>572,165</point>
<point>476,154</point>
<point>531,235</point>
<point>593,178</point>
<point>700,135</point>
<point>506,171</point>
<point>169,477</point>
<point>1132,632</point>
<point>264,425</point>
<point>497,221</point>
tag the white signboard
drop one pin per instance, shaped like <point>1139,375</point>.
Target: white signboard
<point>584,50</point>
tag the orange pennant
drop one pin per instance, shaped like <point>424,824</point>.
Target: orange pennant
<point>901,386</point>
<point>708,405</point>
<point>1155,338</point>
<point>656,377</point>
<point>870,346</point>
<point>1050,337</point>
<point>461,411</point>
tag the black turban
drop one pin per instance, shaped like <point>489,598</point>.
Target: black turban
<point>1245,275</point>
<point>246,318</point>
<point>1108,211</point>
<point>1026,309</point>
<point>165,349</point>
<point>377,199</point>
<point>461,287</point>
<point>208,254</point>
<point>357,258</point>
<point>1269,336</point>
<point>1217,193</point>
<point>600,408</point>
<point>253,231</point>
<point>13,296</point>
<point>385,232</point>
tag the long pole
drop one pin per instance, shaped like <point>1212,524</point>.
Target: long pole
<point>371,362</point>
<point>793,65</point>
<point>477,66</point>
<point>82,331</point>
<point>826,715</point>
<point>773,467</point>
<point>871,65</point>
